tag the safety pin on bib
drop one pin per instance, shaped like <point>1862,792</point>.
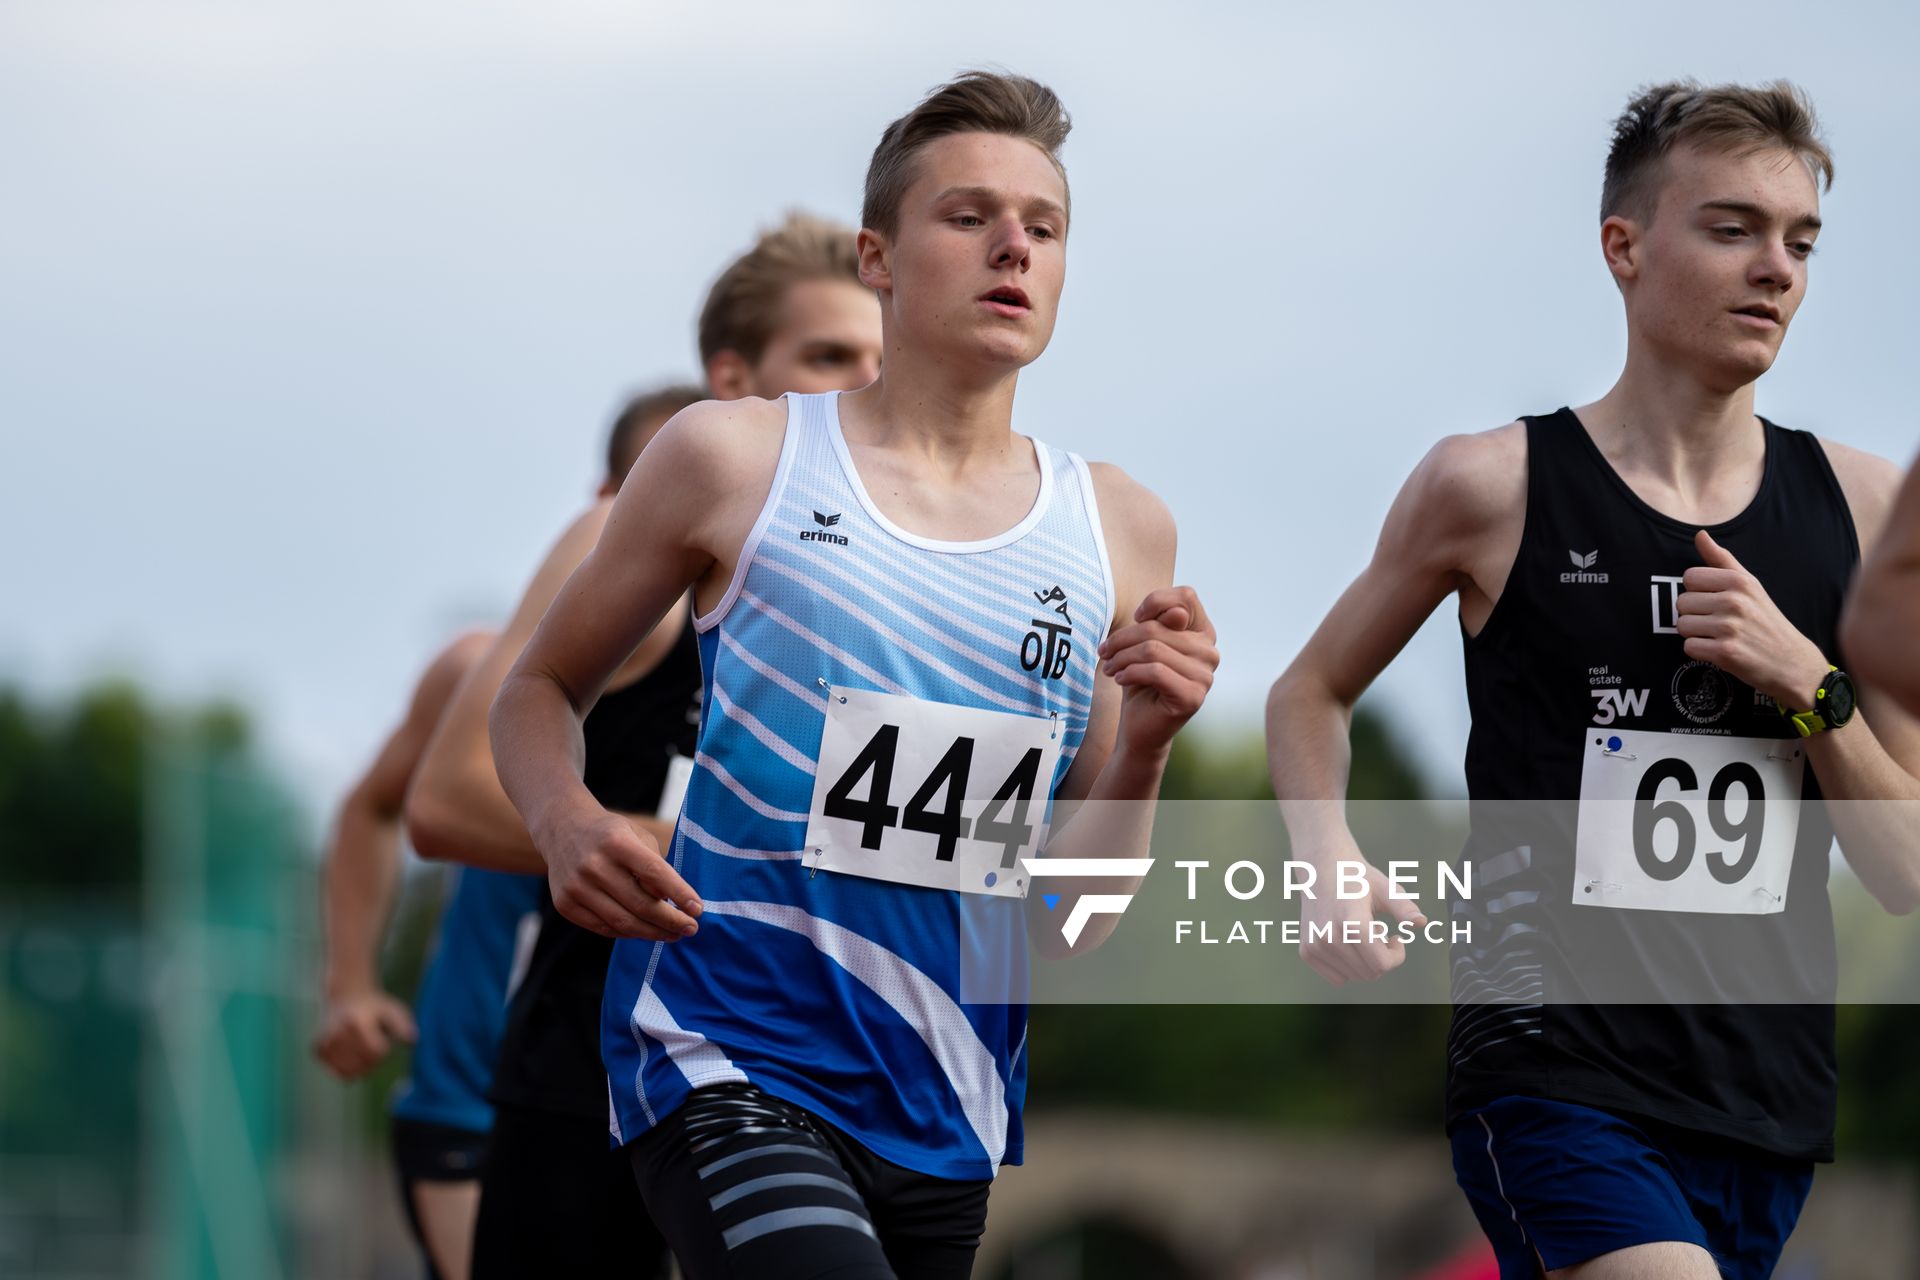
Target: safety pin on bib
<point>819,854</point>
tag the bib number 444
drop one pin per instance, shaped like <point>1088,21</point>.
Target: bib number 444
<point>930,794</point>
<point>949,823</point>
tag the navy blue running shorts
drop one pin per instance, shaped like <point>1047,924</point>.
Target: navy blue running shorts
<point>1555,1184</point>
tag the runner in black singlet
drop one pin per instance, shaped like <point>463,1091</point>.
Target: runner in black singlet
<point>1641,1067</point>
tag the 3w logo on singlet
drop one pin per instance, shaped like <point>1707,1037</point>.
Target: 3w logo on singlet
<point>1583,568</point>
<point>825,532</point>
<point>1047,648</point>
<point>1612,704</point>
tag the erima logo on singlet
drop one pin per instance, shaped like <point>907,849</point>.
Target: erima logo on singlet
<point>1047,648</point>
<point>822,534</point>
<point>1582,568</point>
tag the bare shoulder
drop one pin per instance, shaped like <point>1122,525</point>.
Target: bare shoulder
<point>1869,483</point>
<point>1139,529</point>
<point>722,440</point>
<point>450,666</point>
<point>1127,507</point>
<point>465,649</point>
<point>1474,476</point>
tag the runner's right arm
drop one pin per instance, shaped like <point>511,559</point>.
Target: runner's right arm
<point>362,866</point>
<point>456,807</point>
<point>1455,527</point>
<point>681,519</point>
<point>1883,617</point>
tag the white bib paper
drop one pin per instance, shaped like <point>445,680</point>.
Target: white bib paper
<point>1686,822</point>
<point>928,794</point>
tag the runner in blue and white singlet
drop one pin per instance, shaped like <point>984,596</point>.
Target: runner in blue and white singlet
<point>917,631</point>
<point>830,596</point>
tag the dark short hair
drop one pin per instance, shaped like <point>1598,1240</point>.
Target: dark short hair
<point>976,102</point>
<point>1733,117</point>
<point>643,415</point>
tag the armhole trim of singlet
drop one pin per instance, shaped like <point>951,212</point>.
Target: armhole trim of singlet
<point>1099,538</point>
<point>1834,487</point>
<point>1501,607</point>
<point>789,446</point>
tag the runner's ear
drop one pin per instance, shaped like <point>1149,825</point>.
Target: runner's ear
<point>729,375</point>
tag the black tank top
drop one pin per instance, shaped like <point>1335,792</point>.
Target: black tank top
<point>550,1052</point>
<point>1671,960</point>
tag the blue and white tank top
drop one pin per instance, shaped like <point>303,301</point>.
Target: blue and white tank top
<point>485,936</point>
<point>839,993</point>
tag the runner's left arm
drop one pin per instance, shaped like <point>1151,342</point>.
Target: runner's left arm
<point>1156,666</point>
<point>361,1019</point>
<point>682,499</point>
<point>1883,617</point>
<point>1869,771</point>
<point>1727,619</point>
<point>456,807</point>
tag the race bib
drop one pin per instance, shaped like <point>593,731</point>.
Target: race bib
<point>1685,822</point>
<point>927,794</point>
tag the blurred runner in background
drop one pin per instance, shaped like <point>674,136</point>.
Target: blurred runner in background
<point>440,1114</point>
<point>789,315</point>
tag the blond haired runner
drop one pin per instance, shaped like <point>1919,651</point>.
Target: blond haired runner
<point>917,630</point>
<point>1641,1064</point>
<point>789,314</point>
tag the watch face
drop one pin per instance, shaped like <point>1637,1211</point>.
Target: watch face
<point>1839,702</point>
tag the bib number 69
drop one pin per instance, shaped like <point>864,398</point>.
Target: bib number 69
<point>1649,812</point>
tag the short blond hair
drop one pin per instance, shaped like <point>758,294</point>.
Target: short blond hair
<point>976,102</point>
<point>743,307</point>
<point>1736,118</point>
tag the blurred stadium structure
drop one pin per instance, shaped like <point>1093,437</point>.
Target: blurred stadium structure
<point>160,1115</point>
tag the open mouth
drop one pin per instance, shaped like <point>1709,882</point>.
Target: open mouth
<point>1008,297</point>
<point>1760,311</point>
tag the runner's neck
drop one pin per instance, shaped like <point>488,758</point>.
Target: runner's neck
<point>1661,426</point>
<point>953,424</point>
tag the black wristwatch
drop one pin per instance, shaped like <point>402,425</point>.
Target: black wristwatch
<point>1833,705</point>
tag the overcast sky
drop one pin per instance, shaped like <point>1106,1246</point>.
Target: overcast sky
<point>312,316</point>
